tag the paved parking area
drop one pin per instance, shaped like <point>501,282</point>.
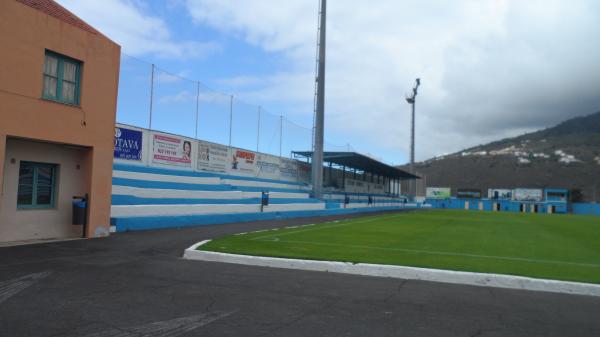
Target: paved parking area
<point>136,284</point>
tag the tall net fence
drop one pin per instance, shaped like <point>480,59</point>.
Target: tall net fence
<point>155,98</point>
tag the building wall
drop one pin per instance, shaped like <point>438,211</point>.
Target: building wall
<point>25,34</point>
<point>22,224</point>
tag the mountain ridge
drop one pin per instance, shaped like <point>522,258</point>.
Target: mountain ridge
<point>563,156</point>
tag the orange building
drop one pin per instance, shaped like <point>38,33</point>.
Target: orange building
<point>58,94</point>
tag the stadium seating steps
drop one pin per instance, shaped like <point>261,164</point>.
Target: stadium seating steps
<point>150,197</point>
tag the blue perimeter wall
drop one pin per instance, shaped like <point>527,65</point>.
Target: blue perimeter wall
<point>158,222</point>
<point>589,209</point>
<point>514,206</point>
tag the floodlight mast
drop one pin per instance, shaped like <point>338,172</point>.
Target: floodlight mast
<point>412,100</point>
<point>319,127</point>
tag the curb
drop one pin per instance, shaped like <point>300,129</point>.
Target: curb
<point>401,272</point>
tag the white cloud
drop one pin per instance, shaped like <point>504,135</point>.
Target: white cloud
<point>490,68</point>
<point>180,97</point>
<point>137,32</point>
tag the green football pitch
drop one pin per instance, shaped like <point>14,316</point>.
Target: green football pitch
<point>562,247</point>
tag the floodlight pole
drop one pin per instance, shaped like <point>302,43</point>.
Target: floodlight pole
<point>317,157</point>
<point>412,101</point>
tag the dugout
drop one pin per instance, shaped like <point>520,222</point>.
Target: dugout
<point>353,172</point>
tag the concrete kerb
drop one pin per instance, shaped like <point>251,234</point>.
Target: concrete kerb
<point>401,272</point>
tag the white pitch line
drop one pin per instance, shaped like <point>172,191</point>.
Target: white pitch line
<point>171,328</point>
<point>338,224</point>
<point>431,252</point>
<point>12,287</point>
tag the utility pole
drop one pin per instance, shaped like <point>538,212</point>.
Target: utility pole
<point>319,127</point>
<point>412,101</point>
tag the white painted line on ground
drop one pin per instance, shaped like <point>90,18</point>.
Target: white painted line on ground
<point>401,272</point>
<point>433,252</point>
<point>171,328</point>
<point>325,225</point>
<point>12,287</point>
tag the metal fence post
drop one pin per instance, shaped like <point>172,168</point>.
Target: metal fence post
<point>280,133</point>
<point>151,96</point>
<point>197,106</point>
<point>258,130</point>
<point>230,118</point>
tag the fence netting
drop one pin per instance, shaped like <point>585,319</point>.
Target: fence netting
<point>155,98</point>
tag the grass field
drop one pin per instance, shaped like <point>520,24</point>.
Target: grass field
<point>562,247</point>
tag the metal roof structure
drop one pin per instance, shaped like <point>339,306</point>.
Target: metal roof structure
<point>361,162</point>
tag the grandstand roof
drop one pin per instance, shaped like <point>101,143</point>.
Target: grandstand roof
<point>361,162</point>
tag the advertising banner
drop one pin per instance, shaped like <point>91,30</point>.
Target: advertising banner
<point>377,188</point>
<point>360,186</point>
<point>212,157</point>
<point>303,172</point>
<point>171,150</point>
<point>528,194</point>
<point>467,193</point>
<point>288,169</point>
<point>438,192</point>
<point>242,161</point>
<point>267,166</point>
<point>128,144</point>
<point>500,193</point>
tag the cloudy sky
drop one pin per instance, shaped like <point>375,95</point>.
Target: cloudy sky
<point>489,68</point>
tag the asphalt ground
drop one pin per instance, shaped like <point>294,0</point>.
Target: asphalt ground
<point>137,284</point>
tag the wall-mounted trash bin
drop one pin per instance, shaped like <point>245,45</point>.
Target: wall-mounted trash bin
<point>264,200</point>
<point>80,206</point>
<point>79,210</point>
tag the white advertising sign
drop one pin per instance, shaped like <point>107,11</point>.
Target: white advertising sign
<point>438,192</point>
<point>267,166</point>
<point>303,172</point>
<point>242,161</point>
<point>500,193</point>
<point>360,186</point>
<point>288,169</point>
<point>171,150</point>
<point>528,194</point>
<point>212,157</point>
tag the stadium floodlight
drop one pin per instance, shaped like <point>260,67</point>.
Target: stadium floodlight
<point>319,124</point>
<point>412,100</point>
